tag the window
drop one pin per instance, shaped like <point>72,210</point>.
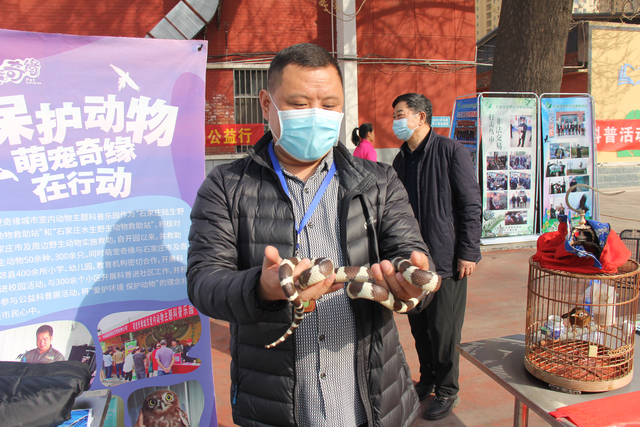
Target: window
<point>246,89</point>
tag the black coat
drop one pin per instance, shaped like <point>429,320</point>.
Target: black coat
<point>240,209</point>
<point>449,204</point>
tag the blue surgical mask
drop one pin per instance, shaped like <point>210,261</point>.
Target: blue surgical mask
<point>402,130</point>
<point>308,134</point>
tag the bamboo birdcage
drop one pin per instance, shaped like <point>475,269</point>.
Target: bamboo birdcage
<point>590,353</point>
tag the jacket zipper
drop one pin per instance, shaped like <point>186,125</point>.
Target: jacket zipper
<point>235,395</point>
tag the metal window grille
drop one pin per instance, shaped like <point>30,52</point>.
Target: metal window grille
<point>246,89</point>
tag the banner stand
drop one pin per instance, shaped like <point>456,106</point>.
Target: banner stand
<point>568,157</point>
<point>507,166</point>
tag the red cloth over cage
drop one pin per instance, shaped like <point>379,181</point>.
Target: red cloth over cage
<point>556,252</point>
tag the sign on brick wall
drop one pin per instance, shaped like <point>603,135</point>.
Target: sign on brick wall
<point>233,134</point>
<point>618,135</point>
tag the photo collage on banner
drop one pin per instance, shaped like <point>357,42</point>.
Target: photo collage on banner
<point>101,156</point>
<point>567,158</point>
<point>509,165</point>
<point>465,125</point>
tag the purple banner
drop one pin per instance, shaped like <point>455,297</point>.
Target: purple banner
<point>101,155</point>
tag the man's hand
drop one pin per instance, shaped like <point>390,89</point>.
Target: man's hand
<point>393,281</point>
<point>270,289</point>
<point>465,268</point>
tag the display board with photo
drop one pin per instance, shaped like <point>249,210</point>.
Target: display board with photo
<point>567,155</point>
<point>465,125</point>
<point>509,146</point>
<point>104,159</point>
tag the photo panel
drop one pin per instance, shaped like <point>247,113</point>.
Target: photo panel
<point>179,404</point>
<point>519,181</point>
<point>570,124</point>
<point>516,217</point>
<point>497,181</point>
<point>139,336</point>
<point>574,180</point>
<point>520,131</point>
<point>497,160</point>
<point>579,150</point>
<point>559,150</point>
<point>53,341</point>
<point>497,200</point>
<point>557,185</point>
<point>556,168</point>
<point>580,201</point>
<point>520,160</point>
<point>578,167</point>
<point>520,199</point>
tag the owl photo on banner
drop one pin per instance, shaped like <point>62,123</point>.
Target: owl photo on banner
<point>162,409</point>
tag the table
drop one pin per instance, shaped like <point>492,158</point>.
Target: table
<point>502,359</point>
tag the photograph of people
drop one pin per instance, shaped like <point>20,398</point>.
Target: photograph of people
<point>497,181</point>
<point>559,150</point>
<point>556,168</point>
<point>148,341</point>
<point>579,150</point>
<point>54,341</point>
<point>574,180</point>
<point>515,218</point>
<point>497,200</point>
<point>520,160</point>
<point>519,181</point>
<point>497,160</point>
<point>577,167</point>
<point>520,131</point>
<point>519,199</point>
<point>570,124</point>
<point>44,351</point>
<point>557,186</point>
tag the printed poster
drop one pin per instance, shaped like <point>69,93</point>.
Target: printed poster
<point>509,146</point>
<point>567,158</point>
<point>101,155</point>
<point>465,125</point>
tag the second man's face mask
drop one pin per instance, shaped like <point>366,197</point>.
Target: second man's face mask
<point>401,128</point>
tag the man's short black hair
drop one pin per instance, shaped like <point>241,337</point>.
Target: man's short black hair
<point>418,103</point>
<point>304,55</point>
<point>45,328</point>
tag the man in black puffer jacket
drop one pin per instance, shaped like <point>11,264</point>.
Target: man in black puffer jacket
<point>344,365</point>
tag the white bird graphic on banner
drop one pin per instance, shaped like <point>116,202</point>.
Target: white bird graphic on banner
<point>7,174</point>
<point>125,79</point>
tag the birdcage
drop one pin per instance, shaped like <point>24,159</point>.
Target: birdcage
<point>631,239</point>
<point>581,327</point>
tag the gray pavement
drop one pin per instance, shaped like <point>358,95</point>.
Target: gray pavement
<point>496,306</point>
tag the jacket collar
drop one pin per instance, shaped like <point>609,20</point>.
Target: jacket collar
<point>352,175</point>
<point>420,150</point>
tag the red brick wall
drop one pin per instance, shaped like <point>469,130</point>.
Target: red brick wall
<point>219,105</point>
<point>254,26</point>
<point>123,18</point>
<point>575,83</point>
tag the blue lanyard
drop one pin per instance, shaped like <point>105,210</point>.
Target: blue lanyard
<point>316,198</point>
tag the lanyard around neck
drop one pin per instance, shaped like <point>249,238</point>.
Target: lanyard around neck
<point>316,199</point>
